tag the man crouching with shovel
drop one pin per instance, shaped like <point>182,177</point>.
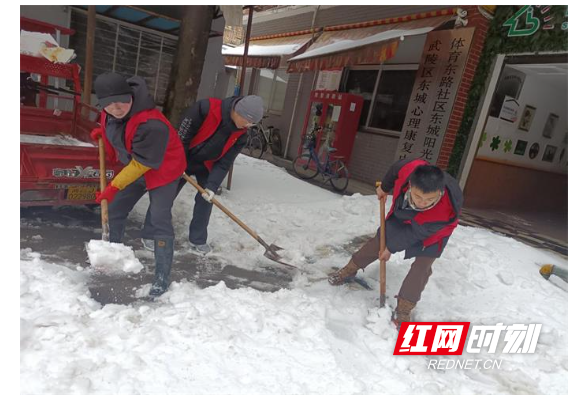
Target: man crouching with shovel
<point>425,210</point>
<point>136,134</point>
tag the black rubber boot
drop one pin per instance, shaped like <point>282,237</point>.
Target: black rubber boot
<point>164,255</point>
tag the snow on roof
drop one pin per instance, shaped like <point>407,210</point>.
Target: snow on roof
<point>344,45</point>
<point>262,51</point>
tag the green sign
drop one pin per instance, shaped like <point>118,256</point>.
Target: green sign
<point>525,22</point>
<point>531,24</point>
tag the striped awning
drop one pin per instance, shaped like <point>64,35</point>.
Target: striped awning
<point>366,43</point>
<point>268,51</point>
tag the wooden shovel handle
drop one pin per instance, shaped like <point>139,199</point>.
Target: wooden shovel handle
<point>382,248</point>
<point>103,203</point>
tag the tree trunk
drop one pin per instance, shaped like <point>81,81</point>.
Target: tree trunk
<point>182,88</point>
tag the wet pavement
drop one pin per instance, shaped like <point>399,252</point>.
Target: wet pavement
<point>59,235</point>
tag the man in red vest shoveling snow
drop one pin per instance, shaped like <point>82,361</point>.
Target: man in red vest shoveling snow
<point>139,136</point>
<point>424,213</point>
<point>213,133</point>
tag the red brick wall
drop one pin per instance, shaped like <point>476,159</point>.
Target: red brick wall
<point>477,20</point>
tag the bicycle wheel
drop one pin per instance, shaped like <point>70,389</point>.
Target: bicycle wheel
<point>305,167</point>
<point>276,146</point>
<point>254,147</point>
<point>339,176</point>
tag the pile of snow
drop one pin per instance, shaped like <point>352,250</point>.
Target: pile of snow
<point>112,258</point>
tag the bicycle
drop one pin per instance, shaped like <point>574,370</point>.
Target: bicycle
<point>308,165</point>
<point>260,138</point>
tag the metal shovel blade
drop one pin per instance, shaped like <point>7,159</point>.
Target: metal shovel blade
<point>271,253</point>
<point>275,247</point>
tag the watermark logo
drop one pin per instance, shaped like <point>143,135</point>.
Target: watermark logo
<point>443,338</point>
<point>517,338</point>
<point>427,338</point>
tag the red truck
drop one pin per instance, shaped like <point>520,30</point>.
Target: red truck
<point>59,162</point>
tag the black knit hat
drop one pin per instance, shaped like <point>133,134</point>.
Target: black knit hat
<point>111,87</point>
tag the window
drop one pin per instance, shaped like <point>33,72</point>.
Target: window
<point>386,92</point>
<point>127,50</point>
<point>363,84</point>
<point>393,96</point>
<point>271,87</point>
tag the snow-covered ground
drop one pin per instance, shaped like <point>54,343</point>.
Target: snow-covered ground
<point>310,339</point>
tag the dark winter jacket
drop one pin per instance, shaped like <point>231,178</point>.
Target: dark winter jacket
<point>404,232</point>
<point>149,144</point>
<point>212,148</point>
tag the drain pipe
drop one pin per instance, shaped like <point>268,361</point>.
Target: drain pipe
<point>298,91</point>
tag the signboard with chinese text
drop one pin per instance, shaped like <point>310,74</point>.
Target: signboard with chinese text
<point>436,85</point>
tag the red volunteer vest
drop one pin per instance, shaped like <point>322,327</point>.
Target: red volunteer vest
<point>442,212</point>
<point>208,128</point>
<point>174,159</point>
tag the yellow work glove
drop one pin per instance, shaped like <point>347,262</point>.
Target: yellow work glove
<point>129,174</point>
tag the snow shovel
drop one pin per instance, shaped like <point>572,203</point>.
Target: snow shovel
<point>103,203</point>
<point>270,250</point>
<point>382,248</point>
